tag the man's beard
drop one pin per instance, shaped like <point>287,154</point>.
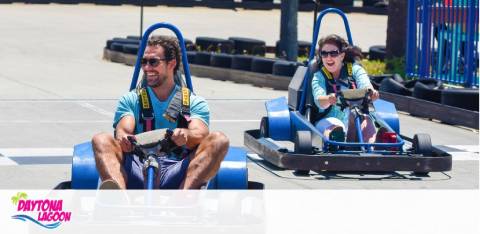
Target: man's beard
<point>159,81</point>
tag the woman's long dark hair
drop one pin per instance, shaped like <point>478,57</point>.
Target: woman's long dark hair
<point>352,53</point>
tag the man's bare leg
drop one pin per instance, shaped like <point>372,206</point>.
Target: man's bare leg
<point>109,159</point>
<point>206,161</point>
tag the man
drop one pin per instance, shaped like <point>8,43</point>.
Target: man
<point>204,151</point>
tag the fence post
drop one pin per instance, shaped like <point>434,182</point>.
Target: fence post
<point>469,58</point>
<point>425,40</point>
<point>411,38</point>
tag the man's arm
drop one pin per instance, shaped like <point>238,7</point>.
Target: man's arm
<point>125,127</point>
<point>191,137</point>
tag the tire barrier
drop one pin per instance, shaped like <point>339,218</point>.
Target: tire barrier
<point>390,85</point>
<point>118,47</point>
<point>221,60</point>
<point>203,58</point>
<point>426,92</point>
<point>376,80</point>
<point>191,56</point>
<point>212,44</point>
<point>462,98</point>
<point>130,49</point>
<point>262,65</point>
<point>284,68</point>
<point>377,53</point>
<point>122,41</point>
<point>303,49</point>
<point>251,46</point>
<point>242,62</point>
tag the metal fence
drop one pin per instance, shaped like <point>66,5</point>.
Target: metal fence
<point>442,40</point>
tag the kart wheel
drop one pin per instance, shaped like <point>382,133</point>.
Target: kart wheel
<point>303,145</point>
<point>422,144</point>
<point>264,127</point>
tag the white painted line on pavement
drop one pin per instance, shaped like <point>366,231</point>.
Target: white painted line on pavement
<point>233,120</point>
<point>4,161</point>
<point>96,109</point>
<point>32,152</point>
<point>53,121</point>
<point>106,121</point>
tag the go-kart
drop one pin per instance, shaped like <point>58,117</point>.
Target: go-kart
<point>233,170</point>
<point>293,121</point>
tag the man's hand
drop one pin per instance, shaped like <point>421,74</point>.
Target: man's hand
<point>180,136</point>
<point>125,144</point>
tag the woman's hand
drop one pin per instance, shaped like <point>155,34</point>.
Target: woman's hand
<point>332,99</point>
<point>374,95</point>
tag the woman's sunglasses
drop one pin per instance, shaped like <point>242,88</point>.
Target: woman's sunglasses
<point>152,61</point>
<point>333,53</point>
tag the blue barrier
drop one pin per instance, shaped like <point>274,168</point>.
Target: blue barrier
<point>442,41</point>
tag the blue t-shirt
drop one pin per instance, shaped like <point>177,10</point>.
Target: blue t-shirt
<point>130,105</point>
<point>319,89</point>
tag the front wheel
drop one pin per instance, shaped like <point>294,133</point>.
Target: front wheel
<point>303,145</point>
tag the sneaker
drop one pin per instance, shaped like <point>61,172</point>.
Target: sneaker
<point>109,184</point>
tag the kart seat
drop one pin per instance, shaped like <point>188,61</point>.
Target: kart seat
<point>312,112</point>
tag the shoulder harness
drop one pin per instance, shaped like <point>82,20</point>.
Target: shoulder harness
<point>333,86</point>
<point>178,109</point>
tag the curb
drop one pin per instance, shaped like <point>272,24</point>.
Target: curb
<point>432,110</point>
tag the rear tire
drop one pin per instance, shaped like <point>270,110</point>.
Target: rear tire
<point>303,145</point>
<point>422,144</point>
<point>264,127</point>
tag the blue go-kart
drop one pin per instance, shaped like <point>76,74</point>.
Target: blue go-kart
<point>292,121</point>
<point>232,174</point>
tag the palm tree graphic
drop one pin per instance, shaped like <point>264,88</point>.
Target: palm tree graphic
<point>19,196</point>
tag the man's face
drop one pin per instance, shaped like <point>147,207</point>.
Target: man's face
<point>156,67</point>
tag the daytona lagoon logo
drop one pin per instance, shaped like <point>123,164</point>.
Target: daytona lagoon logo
<point>46,213</point>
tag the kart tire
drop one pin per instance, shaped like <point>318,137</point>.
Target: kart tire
<point>264,127</point>
<point>303,49</point>
<point>423,91</point>
<point>121,41</point>
<point>432,83</point>
<point>191,56</point>
<point>64,185</point>
<point>213,44</point>
<point>131,37</point>
<point>389,85</point>
<point>108,2</point>
<point>130,49</point>
<point>118,47</point>
<point>284,68</point>
<point>251,46</point>
<point>262,65</point>
<point>377,52</point>
<point>242,62</point>
<point>422,144</point>
<point>221,60</point>
<point>302,145</point>
<point>376,80</point>
<point>189,46</point>
<point>203,58</point>
<point>462,98</point>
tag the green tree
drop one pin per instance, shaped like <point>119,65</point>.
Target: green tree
<point>18,197</point>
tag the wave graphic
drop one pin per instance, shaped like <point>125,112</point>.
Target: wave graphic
<point>25,217</point>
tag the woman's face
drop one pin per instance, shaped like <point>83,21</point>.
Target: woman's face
<point>332,58</point>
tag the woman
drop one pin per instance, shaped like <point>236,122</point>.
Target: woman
<point>337,71</point>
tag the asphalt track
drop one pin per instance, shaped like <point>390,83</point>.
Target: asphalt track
<point>56,91</point>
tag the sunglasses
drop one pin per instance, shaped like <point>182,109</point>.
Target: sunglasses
<point>333,53</point>
<point>152,61</point>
